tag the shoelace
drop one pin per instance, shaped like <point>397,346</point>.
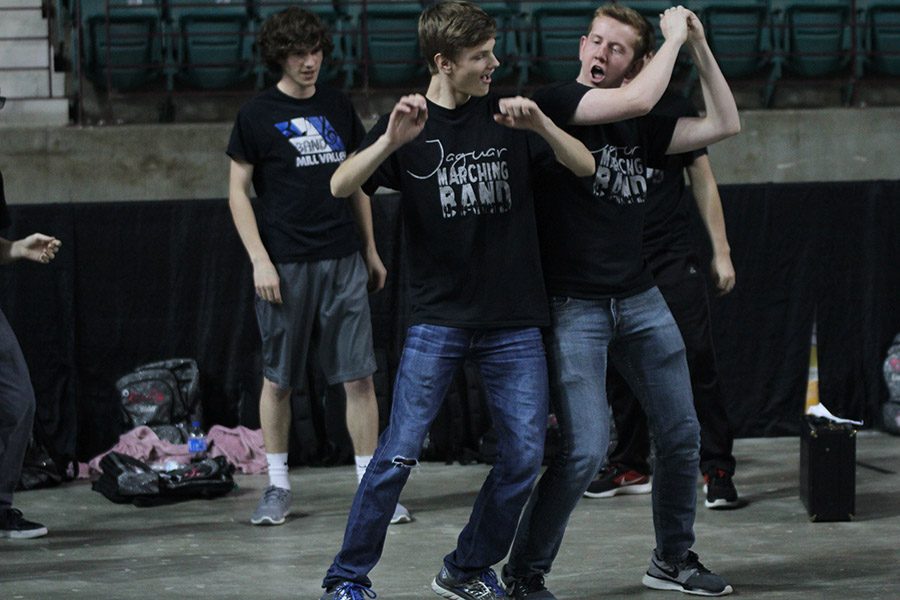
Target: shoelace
<point>490,580</point>
<point>692,561</point>
<point>274,492</point>
<point>353,591</point>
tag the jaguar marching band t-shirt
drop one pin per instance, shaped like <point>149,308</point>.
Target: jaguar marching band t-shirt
<point>295,145</point>
<point>468,217</point>
<point>591,228</point>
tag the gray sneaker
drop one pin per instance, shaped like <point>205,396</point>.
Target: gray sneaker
<point>273,507</point>
<point>688,576</point>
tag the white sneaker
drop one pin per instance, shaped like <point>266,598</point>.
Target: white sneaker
<point>401,515</point>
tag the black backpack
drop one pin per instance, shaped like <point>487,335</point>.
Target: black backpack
<point>39,470</point>
<point>163,395</point>
<point>126,479</point>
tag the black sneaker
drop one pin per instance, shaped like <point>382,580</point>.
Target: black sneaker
<point>616,480</point>
<point>16,527</point>
<point>720,491</point>
<point>530,588</point>
<point>481,587</point>
<point>348,591</point>
<point>688,576</point>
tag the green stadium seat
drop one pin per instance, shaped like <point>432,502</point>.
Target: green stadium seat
<point>815,36</point>
<point>214,42</point>
<point>881,41</point>
<point>739,33</point>
<point>388,42</point>
<point>510,43</point>
<point>121,49</point>
<point>555,30</point>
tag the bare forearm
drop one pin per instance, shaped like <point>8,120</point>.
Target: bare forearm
<point>362,213</point>
<point>357,169</point>
<point>709,205</point>
<point>648,87</point>
<point>569,151</point>
<point>721,110</point>
<point>245,223</point>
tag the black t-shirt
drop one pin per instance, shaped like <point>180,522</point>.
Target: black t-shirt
<point>667,224</point>
<point>4,214</point>
<point>468,214</point>
<point>295,146</point>
<point>591,228</point>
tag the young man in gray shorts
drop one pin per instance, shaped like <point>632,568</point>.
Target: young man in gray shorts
<point>310,267</point>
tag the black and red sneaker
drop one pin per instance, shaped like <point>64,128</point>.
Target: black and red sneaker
<point>720,491</point>
<point>615,480</point>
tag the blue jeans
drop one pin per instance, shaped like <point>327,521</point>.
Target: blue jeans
<point>514,371</point>
<point>640,336</point>
<point>16,412</point>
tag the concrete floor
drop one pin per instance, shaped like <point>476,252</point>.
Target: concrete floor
<point>208,549</point>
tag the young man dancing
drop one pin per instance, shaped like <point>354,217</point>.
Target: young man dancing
<point>604,304</point>
<point>671,257</point>
<point>463,160</point>
<point>310,270</point>
<point>17,403</point>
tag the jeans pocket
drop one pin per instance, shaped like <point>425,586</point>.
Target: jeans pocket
<point>559,302</point>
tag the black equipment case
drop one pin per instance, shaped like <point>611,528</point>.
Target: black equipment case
<point>828,469</point>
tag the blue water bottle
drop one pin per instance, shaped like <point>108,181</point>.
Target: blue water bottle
<point>196,442</point>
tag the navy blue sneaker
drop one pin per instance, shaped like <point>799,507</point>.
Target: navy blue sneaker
<point>349,591</point>
<point>481,587</point>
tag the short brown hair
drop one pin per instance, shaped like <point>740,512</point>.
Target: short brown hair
<point>292,31</point>
<point>623,14</point>
<point>450,26</point>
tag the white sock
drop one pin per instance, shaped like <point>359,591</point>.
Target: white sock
<point>278,470</point>
<point>362,462</point>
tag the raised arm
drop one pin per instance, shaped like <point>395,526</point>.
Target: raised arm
<point>406,122</point>
<point>265,276</point>
<point>37,247</point>
<point>607,105</point>
<point>721,119</point>
<point>709,205</point>
<point>362,212</point>
<point>522,113</point>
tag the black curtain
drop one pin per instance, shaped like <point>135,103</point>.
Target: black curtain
<point>823,253</point>
<point>142,281</point>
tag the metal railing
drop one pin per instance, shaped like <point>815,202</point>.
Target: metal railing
<point>135,48</point>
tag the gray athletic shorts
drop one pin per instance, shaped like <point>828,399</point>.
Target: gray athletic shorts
<point>325,303</point>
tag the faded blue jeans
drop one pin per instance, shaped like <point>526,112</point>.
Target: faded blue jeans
<point>514,370</point>
<point>640,336</point>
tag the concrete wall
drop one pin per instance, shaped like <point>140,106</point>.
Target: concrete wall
<point>160,162</point>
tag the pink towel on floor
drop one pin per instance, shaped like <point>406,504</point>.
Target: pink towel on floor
<point>240,446</point>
